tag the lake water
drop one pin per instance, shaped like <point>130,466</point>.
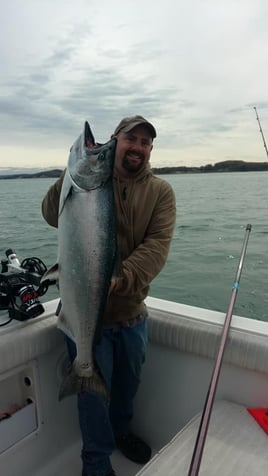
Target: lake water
<point>212,213</point>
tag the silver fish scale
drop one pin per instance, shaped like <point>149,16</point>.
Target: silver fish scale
<point>86,257</point>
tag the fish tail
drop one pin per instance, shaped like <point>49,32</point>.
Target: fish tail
<point>73,384</point>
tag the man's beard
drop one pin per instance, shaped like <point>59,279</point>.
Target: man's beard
<point>132,167</point>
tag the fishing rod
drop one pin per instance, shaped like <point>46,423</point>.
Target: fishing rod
<point>204,423</point>
<point>264,143</point>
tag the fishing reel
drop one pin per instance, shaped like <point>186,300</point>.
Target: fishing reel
<point>20,286</point>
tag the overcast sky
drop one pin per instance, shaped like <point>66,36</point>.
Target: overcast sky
<point>195,69</point>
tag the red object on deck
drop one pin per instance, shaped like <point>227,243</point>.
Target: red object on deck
<point>261,417</point>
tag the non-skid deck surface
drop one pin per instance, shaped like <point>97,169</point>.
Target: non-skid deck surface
<point>235,446</point>
<point>69,464</point>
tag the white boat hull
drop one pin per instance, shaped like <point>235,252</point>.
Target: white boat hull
<point>182,348</point>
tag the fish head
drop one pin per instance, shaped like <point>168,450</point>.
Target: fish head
<point>91,165</point>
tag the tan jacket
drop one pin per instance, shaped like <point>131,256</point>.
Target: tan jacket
<point>146,213</point>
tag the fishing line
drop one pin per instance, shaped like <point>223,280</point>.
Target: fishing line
<point>204,423</point>
<point>261,131</point>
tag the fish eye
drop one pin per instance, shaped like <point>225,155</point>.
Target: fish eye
<point>101,156</point>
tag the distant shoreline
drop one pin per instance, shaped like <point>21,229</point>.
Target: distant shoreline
<point>55,173</point>
<point>226,166</point>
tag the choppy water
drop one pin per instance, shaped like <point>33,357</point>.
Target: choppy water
<point>212,213</point>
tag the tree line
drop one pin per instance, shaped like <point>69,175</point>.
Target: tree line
<point>225,166</point>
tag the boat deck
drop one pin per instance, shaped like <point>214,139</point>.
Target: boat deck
<point>182,346</point>
<point>69,464</point>
<point>235,444</point>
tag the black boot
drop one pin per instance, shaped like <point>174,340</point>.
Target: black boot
<point>111,473</point>
<point>134,448</point>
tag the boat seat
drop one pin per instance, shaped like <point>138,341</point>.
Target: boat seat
<point>235,446</point>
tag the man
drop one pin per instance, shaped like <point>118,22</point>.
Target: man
<point>145,213</point>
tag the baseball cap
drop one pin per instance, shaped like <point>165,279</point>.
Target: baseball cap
<point>128,123</point>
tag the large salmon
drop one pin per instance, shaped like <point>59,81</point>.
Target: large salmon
<point>86,255</point>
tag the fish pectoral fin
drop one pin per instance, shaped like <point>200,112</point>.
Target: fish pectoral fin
<point>73,384</point>
<point>51,275</point>
<point>66,191</point>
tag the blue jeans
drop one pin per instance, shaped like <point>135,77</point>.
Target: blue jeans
<point>119,356</point>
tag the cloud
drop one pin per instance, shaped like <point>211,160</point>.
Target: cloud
<point>196,70</point>
<point>44,101</point>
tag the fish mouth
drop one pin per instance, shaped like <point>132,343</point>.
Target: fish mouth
<point>89,140</point>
